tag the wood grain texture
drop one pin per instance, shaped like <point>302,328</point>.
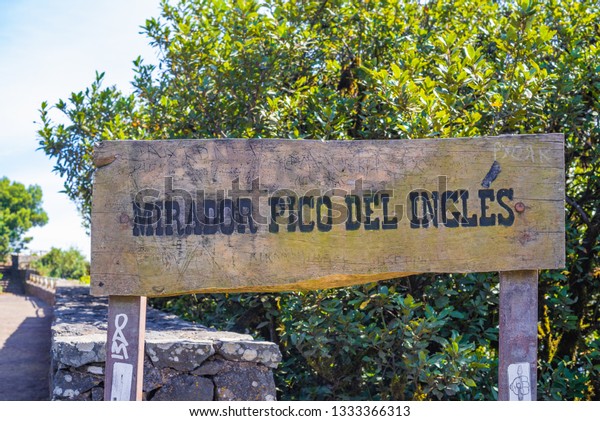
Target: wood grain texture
<point>512,219</point>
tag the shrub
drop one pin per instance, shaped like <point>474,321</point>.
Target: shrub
<point>68,264</point>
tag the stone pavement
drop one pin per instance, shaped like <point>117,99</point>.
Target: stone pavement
<point>24,345</point>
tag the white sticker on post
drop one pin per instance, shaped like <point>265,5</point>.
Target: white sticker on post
<point>121,382</point>
<point>518,382</point>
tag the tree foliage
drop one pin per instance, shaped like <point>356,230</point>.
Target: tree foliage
<point>20,209</point>
<point>340,69</point>
<point>66,264</point>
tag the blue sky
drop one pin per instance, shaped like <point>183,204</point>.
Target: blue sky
<point>49,49</point>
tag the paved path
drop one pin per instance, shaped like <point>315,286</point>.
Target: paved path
<point>24,345</point>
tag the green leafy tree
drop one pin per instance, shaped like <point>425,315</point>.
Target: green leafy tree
<point>67,264</point>
<point>343,69</point>
<point>20,209</point>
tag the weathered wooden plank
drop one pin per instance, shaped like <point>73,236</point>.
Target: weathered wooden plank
<point>517,360</point>
<point>125,348</point>
<point>491,204</point>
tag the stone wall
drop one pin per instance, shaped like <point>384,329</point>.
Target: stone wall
<point>40,291</point>
<point>44,287</point>
<point>183,361</point>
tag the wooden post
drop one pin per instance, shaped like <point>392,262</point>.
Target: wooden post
<point>125,348</point>
<point>517,365</point>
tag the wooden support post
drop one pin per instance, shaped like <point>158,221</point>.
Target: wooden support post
<point>517,365</point>
<point>125,348</point>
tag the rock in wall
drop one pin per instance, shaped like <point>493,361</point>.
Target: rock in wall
<point>183,361</point>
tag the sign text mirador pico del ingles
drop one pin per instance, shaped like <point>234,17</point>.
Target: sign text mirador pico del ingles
<point>233,215</point>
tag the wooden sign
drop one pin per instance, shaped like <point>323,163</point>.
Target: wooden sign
<point>173,217</point>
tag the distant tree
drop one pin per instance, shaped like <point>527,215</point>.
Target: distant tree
<point>20,209</point>
<point>67,264</point>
